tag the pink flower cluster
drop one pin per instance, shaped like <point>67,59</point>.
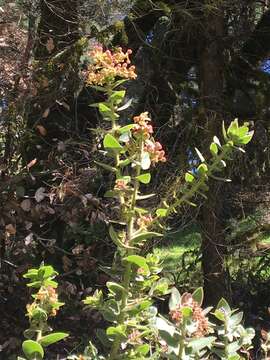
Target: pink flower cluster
<point>198,315</point>
<point>46,299</point>
<point>107,66</point>
<point>142,127</point>
<point>144,221</point>
<point>120,184</point>
<point>154,148</point>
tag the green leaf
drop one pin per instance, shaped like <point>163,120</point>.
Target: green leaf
<point>144,178</point>
<point>161,212</point>
<point>175,299</point>
<point>144,235</point>
<point>118,96</point>
<point>236,319</point>
<point>125,137</point>
<point>106,112</point>
<point>189,177</point>
<point>117,332</point>
<point>202,169</point>
<point>233,128</point>
<point>126,128</point>
<point>95,300</point>
<point>114,236</point>
<point>163,325</point>
<point>32,350</point>
<point>220,353</point>
<point>168,333</point>
<point>224,132</point>
<point>144,197</point>
<point>247,138</point>
<point>200,155</point>
<point>110,142</point>
<point>49,282</point>
<point>233,347</point>
<point>234,357</point>
<point>160,287</point>
<point>104,109</point>
<point>220,315</point>
<point>116,289</point>
<point>111,310</point>
<point>29,333</point>
<point>106,166</point>
<point>186,311</point>
<point>45,272</point>
<point>31,274</point>
<point>142,305</point>
<point>98,88</point>
<point>39,314</point>
<point>119,82</point>
<point>198,295</point>
<point>52,338</point>
<point>201,343</point>
<point>117,240</point>
<point>103,338</point>
<point>216,141</point>
<point>140,210</point>
<point>125,106</point>
<point>125,162</point>
<point>143,349</point>
<point>222,304</point>
<point>138,260</point>
<point>35,284</point>
<point>145,161</point>
<point>214,148</point>
<point>242,131</point>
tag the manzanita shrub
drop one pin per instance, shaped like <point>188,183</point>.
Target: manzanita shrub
<point>135,330</point>
<point>45,305</point>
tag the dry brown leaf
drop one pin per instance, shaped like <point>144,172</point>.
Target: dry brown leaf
<point>50,45</point>
<point>67,263</point>
<point>26,205</point>
<point>28,239</point>
<point>40,194</point>
<point>46,113</point>
<point>31,163</point>
<point>64,104</point>
<point>41,129</point>
<point>10,229</point>
<point>45,82</point>
<point>78,249</point>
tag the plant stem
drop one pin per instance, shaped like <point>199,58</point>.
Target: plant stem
<point>182,340</point>
<point>197,184</point>
<point>128,269</point>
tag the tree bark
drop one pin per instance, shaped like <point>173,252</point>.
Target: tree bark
<point>55,76</point>
<point>211,89</point>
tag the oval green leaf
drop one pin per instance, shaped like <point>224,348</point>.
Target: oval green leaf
<point>138,260</point>
<point>52,338</point>
<point>110,142</point>
<point>144,178</point>
<point>32,350</point>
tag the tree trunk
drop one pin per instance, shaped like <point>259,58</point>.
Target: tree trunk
<point>211,87</point>
<point>55,76</point>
